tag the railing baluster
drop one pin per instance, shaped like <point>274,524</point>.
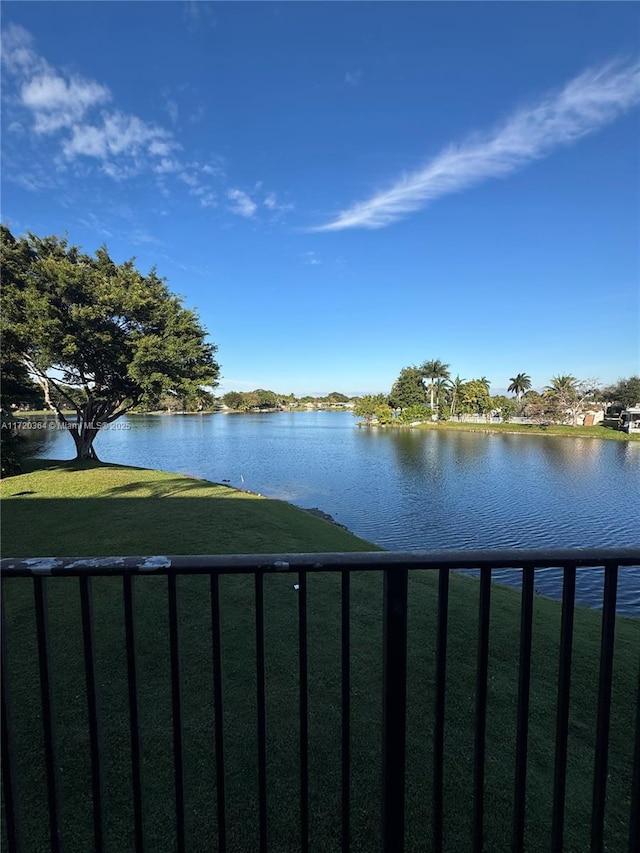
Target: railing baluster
<point>134,721</point>
<point>304,714</point>
<point>346,710</point>
<point>394,698</point>
<point>86,605</point>
<point>522,731</point>
<point>46,696</point>
<point>634,823</point>
<point>604,706</point>
<point>395,570</point>
<point>176,708</point>
<point>438,731</point>
<point>9,776</point>
<point>217,706</point>
<point>262,713</point>
<point>562,713</point>
<point>481,710</point>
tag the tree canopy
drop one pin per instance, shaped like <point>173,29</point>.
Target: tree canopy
<point>98,337</point>
<point>433,370</point>
<point>626,392</point>
<point>520,383</point>
<point>475,397</point>
<point>408,389</point>
<point>245,401</point>
<point>373,406</point>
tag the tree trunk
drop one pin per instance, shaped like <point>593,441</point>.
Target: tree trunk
<point>83,440</point>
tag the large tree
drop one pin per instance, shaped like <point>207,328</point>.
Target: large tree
<point>408,389</point>
<point>570,395</point>
<point>99,338</point>
<point>475,397</point>
<point>520,384</point>
<point>16,389</point>
<point>373,406</point>
<point>626,392</point>
<point>433,370</point>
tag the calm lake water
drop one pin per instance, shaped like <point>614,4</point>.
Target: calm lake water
<point>409,490</point>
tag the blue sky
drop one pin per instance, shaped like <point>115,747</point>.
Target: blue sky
<point>343,189</point>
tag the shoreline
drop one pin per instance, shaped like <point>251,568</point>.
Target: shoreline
<point>560,430</point>
<point>557,430</point>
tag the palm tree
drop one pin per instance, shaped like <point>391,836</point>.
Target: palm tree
<point>563,386</point>
<point>433,370</point>
<point>441,387</point>
<point>564,391</point>
<point>455,389</point>
<point>520,383</point>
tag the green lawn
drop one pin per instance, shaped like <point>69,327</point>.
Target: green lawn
<point>100,510</point>
<point>597,431</point>
<point>97,509</point>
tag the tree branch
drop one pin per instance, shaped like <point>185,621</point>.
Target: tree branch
<point>44,381</point>
<point>118,414</point>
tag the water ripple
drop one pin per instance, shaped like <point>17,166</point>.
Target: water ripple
<point>411,490</point>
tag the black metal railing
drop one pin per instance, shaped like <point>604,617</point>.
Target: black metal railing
<point>395,568</point>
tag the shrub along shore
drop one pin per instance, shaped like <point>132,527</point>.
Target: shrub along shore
<point>598,431</point>
<point>67,509</point>
<point>608,432</point>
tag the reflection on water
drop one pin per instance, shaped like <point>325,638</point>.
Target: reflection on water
<point>408,490</point>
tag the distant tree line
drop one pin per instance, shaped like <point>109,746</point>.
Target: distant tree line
<point>429,392</point>
<point>261,399</point>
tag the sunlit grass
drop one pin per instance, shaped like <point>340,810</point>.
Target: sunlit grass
<point>102,510</point>
<point>597,431</point>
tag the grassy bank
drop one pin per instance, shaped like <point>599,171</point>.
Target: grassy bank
<point>524,429</point>
<point>95,509</point>
<point>101,510</point>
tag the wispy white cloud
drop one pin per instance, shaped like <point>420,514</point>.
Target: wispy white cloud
<point>91,222</point>
<point>75,111</point>
<point>353,78</point>
<point>119,171</point>
<point>190,180</point>
<point>587,103</point>
<point>58,103</point>
<point>249,204</point>
<point>162,147</point>
<point>18,52</point>
<point>172,110</point>
<point>198,13</point>
<point>243,204</point>
<point>117,134</point>
<point>31,182</point>
<point>54,102</point>
<point>208,199</point>
<point>88,134</point>
<point>143,237</point>
<point>272,203</point>
<point>214,169</point>
<point>311,259</point>
<point>198,114</point>
<point>167,166</point>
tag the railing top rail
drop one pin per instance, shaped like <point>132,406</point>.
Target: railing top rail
<point>319,562</point>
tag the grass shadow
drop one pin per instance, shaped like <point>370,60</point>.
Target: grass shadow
<point>324,650</point>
